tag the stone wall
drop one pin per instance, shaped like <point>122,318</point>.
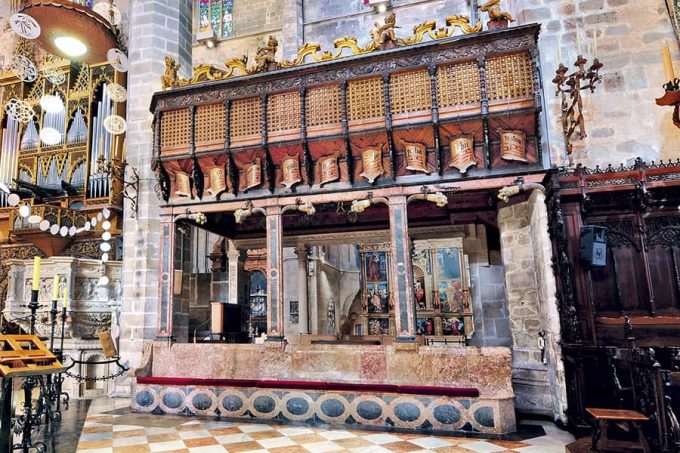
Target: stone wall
<point>622,119</point>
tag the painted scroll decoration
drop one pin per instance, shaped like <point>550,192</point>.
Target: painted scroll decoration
<point>513,145</point>
<point>416,157</point>
<point>291,171</point>
<point>217,181</point>
<point>182,184</point>
<point>329,169</point>
<point>371,160</point>
<point>462,153</point>
<point>253,175</point>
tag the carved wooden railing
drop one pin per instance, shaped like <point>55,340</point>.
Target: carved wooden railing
<point>238,137</point>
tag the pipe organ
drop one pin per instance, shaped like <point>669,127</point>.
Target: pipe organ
<point>64,141</point>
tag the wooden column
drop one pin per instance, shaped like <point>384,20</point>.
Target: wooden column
<point>402,272</point>
<point>274,274</point>
<point>166,282</point>
<point>303,304</point>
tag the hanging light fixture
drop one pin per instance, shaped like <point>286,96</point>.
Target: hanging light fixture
<point>72,31</point>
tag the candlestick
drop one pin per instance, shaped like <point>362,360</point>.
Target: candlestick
<point>667,62</point>
<point>55,288</point>
<point>36,273</point>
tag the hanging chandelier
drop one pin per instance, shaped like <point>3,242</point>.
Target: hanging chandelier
<point>73,31</point>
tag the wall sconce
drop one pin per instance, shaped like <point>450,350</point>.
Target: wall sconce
<point>207,38</point>
<point>671,96</point>
<point>130,187</point>
<point>379,6</point>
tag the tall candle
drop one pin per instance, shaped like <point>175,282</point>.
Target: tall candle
<point>559,49</point>
<point>36,273</point>
<point>64,298</point>
<point>667,62</point>
<point>595,44</point>
<point>55,289</point>
<point>578,40</point>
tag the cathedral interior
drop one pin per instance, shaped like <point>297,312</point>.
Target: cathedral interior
<point>368,226</point>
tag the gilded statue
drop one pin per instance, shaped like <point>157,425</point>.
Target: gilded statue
<point>265,58</point>
<point>497,17</point>
<point>170,78</point>
<point>383,35</point>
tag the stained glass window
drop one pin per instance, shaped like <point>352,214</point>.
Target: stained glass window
<point>216,15</point>
<point>203,16</point>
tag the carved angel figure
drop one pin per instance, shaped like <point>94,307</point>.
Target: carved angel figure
<point>494,11</point>
<point>265,56</point>
<point>170,78</point>
<point>383,35</point>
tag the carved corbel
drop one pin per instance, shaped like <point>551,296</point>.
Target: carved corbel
<point>305,207</point>
<point>509,191</point>
<point>248,210</point>
<point>425,194</point>
<point>359,206</point>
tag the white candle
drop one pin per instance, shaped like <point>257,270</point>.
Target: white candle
<point>578,40</point>
<point>559,49</point>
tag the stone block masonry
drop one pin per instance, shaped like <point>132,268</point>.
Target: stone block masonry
<point>159,28</point>
<point>622,119</point>
<point>538,373</point>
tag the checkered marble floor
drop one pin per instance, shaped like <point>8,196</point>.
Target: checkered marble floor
<point>110,427</point>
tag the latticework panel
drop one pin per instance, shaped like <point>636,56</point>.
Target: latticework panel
<point>323,105</point>
<point>246,117</point>
<point>283,111</point>
<point>410,92</point>
<point>175,128</point>
<point>366,99</point>
<point>210,120</point>
<point>509,77</point>
<point>458,84</point>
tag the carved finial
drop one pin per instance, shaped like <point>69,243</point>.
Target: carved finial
<point>628,329</point>
<point>497,17</point>
<point>170,79</point>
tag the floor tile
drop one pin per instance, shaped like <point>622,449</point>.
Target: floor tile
<point>431,442</point>
<point>323,447</point>
<point>481,447</point>
<point>381,438</point>
<point>234,438</point>
<point>194,434</point>
<point>201,442</point>
<point>127,441</point>
<point>337,434</point>
<point>167,446</point>
<point>276,442</point>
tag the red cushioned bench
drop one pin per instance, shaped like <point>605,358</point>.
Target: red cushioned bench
<point>313,385</point>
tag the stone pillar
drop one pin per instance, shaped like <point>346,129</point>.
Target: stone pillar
<point>547,290</point>
<point>275,319</point>
<point>538,375</point>
<point>292,23</point>
<point>402,273</point>
<point>159,28</point>
<point>233,257</point>
<point>303,305</point>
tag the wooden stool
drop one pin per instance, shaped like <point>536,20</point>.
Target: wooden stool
<point>602,418</point>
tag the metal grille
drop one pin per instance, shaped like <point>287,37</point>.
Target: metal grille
<point>323,105</point>
<point>246,117</point>
<point>458,84</point>
<point>210,123</point>
<point>175,128</point>
<point>410,92</point>
<point>509,77</point>
<point>283,111</point>
<point>366,99</point>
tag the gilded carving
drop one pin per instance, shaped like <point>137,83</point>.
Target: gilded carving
<point>513,145</point>
<point>462,153</point>
<point>382,36</point>
<point>497,17</point>
<point>416,156</point>
<point>291,171</point>
<point>329,169</point>
<point>371,160</point>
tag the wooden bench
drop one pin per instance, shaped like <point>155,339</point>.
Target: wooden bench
<point>601,441</point>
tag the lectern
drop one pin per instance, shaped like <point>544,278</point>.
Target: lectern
<point>28,357</point>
